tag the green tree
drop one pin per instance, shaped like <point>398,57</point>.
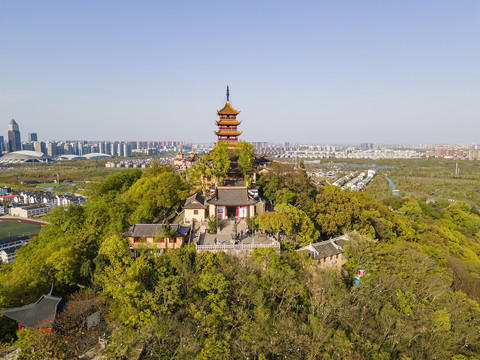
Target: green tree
<point>220,165</point>
<point>213,222</point>
<point>302,226</point>
<point>156,195</point>
<point>245,153</point>
<point>275,222</point>
<point>200,172</point>
<point>168,231</point>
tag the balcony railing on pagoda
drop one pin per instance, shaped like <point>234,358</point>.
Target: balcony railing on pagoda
<point>228,117</point>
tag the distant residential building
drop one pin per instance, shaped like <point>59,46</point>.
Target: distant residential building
<point>35,210</point>
<point>8,255</point>
<point>10,197</point>
<point>40,146</point>
<point>366,146</point>
<point>260,145</point>
<point>120,149</point>
<point>127,150</point>
<point>113,149</point>
<point>32,137</point>
<point>14,140</point>
<point>5,190</point>
<point>51,149</point>
<point>455,152</point>
<point>9,246</point>
<point>29,146</point>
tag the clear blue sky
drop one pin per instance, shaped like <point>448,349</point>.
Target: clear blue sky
<point>300,71</point>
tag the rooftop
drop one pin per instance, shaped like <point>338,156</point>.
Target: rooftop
<point>228,110</point>
<point>232,196</point>
<point>40,314</point>
<point>155,230</point>
<point>195,202</point>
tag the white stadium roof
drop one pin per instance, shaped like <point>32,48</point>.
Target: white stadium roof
<point>91,156</point>
<point>24,156</point>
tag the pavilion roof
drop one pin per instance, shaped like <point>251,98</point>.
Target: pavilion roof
<point>40,314</point>
<point>195,202</point>
<point>228,122</point>
<point>232,196</point>
<point>228,132</point>
<point>228,110</point>
<point>153,230</point>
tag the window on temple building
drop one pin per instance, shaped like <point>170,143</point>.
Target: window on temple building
<point>195,212</point>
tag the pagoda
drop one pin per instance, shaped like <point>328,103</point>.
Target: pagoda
<point>227,124</point>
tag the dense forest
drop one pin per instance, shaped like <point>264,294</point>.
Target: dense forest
<point>419,298</point>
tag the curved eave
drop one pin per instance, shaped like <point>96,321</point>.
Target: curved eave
<point>225,111</point>
<point>228,122</point>
<point>228,110</point>
<point>228,133</point>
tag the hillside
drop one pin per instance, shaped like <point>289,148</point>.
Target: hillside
<point>419,298</point>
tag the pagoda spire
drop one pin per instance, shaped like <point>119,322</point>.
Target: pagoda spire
<point>228,94</point>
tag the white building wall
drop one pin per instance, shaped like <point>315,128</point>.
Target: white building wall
<point>190,214</point>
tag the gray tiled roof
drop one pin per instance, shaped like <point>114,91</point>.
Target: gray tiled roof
<point>326,249</point>
<point>195,202</point>
<point>341,242</point>
<point>152,230</point>
<point>40,314</point>
<point>232,196</point>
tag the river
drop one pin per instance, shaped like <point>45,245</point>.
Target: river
<point>392,185</point>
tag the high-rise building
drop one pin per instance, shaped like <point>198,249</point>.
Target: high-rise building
<point>127,150</point>
<point>32,137</point>
<point>2,145</point>
<point>28,146</point>
<point>14,142</point>
<point>40,147</point>
<point>113,149</point>
<point>227,124</point>
<point>120,149</point>
<point>51,149</point>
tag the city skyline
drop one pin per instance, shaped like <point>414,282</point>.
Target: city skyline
<point>32,137</point>
<point>314,72</point>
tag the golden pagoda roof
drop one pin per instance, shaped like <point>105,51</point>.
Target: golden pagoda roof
<point>228,122</point>
<point>228,133</point>
<point>228,110</point>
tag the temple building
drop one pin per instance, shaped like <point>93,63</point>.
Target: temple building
<point>40,314</point>
<point>227,202</point>
<point>234,202</point>
<point>196,208</point>
<point>227,124</point>
<point>233,199</point>
<point>155,236</point>
<point>184,162</point>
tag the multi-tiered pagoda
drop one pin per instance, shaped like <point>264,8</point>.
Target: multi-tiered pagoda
<point>227,124</point>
